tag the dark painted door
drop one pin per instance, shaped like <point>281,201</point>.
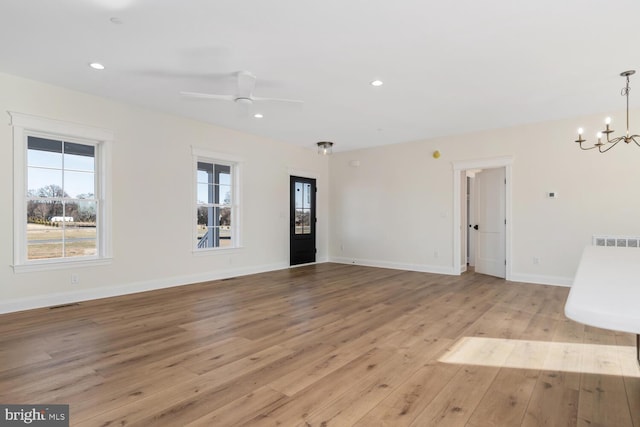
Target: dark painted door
<point>302,220</point>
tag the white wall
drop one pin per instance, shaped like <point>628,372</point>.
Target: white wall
<point>152,206</point>
<point>396,208</point>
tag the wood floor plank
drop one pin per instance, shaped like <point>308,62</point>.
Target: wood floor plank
<point>241,410</point>
<point>324,345</point>
<point>406,402</point>
<point>456,402</point>
<point>603,395</point>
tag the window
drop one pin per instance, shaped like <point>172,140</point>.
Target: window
<point>60,212</point>
<point>216,202</point>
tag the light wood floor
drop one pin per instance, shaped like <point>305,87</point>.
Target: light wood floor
<point>324,345</point>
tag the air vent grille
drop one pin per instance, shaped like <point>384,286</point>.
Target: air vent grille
<point>618,241</point>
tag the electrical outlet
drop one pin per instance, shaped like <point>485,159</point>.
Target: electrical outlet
<point>536,260</point>
<point>436,254</point>
<point>74,279</point>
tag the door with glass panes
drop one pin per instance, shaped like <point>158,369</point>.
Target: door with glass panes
<point>302,220</point>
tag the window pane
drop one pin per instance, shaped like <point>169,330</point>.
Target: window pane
<point>83,247</point>
<point>303,220</point>
<point>298,195</point>
<point>44,183</point>
<point>200,235</point>
<point>82,212</point>
<point>44,159</point>
<point>203,215</point>
<point>81,159</point>
<point>207,237</point>
<point>226,240</point>
<point>204,169</point>
<point>306,202</point>
<point>306,221</point>
<point>203,176</point>
<point>44,240</point>
<point>224,179</point>
<point>41,212</point>
<point>213,228</point>
<point>44,250</point>
<point>224,194</point>
<point>225,216</point>
<point>79,185</point>
<point>44,152</point>
<point>203,194</point>
<point>80,240</point>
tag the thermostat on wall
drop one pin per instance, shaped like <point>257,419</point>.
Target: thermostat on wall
<point>552,194</point>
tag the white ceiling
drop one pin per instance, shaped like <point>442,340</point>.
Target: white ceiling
<point>448,66</point>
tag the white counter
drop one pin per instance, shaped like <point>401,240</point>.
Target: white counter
<point>606,289</point>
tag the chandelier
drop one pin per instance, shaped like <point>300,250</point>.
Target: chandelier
<point>603,147</point>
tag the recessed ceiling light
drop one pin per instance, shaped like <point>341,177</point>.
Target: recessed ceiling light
<point>377,83</point>
<point>258,116</point>
<point>96,66</point>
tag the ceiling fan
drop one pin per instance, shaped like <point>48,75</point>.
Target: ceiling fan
<point>245,83</point>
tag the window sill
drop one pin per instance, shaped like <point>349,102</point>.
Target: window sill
<point>213,251</point>
<point>60,265</point>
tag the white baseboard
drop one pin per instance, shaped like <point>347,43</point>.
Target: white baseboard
<point>20,304</point>
<point>542,280</point>
<point>439,269</point>
<point>423,268</point>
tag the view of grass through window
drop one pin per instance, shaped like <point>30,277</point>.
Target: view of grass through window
<point>61,202</point>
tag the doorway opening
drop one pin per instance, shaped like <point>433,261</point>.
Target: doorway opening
<point>302,219</point>
<point>482,216</point>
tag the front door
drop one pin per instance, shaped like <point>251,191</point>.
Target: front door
<point>302,220</point>
<point>491,222</point>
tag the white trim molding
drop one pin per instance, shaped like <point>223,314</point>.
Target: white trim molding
<point>236,165</point>
<point>422,268</point>
<point>40,301</point>
<point>25,125</point>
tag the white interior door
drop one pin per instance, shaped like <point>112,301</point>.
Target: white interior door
<point>471,209</point>
<point>490,219</point>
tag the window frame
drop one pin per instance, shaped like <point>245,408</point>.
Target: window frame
<point>24,126</point>
<point>235,165</point>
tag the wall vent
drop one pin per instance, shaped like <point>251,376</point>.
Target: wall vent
<point>618,241</point>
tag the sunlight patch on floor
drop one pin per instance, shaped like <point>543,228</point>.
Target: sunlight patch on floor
<point>544,355</point>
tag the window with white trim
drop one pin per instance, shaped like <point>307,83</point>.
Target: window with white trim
<point>60,203</point>
<point>217,209</point>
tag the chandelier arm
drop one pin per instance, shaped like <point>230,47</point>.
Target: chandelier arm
<point>586,149</point>
<point>615,140</point>
<point>610,146</point>
<point>633,138</point>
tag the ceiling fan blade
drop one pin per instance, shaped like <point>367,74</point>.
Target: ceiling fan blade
<point>246,84</point>
<point>208,96</point>
<point>257,98</point>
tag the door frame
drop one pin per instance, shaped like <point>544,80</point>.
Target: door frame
<point>302,174</point>
<point>489,163</point>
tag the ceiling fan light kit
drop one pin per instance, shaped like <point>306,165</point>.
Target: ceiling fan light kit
<point>603,147</point>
